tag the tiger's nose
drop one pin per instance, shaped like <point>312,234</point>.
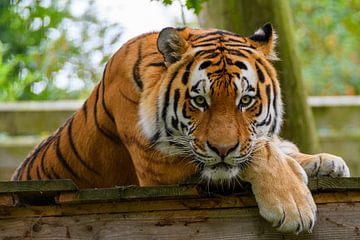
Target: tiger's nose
<point>222,149</point>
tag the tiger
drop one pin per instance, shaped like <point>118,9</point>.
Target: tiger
<point>186,101</point>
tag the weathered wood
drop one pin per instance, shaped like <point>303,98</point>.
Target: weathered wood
<point>144,205</point>
<point>55,185</point>
<point>334,184</point>
<point>335,221</point>
<point>127,193</point>
<point>173,212</point>
<point>186,191</point>
<point>33,192</point>
<point>66,192</point>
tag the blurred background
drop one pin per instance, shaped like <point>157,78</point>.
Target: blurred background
<point>52,53</point>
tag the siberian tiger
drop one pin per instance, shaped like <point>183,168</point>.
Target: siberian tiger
<point>187,101</point>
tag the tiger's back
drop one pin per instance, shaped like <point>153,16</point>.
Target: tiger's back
<point>89,148</point>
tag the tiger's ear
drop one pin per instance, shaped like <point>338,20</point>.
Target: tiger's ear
<point>171,45</point>
<point>264,40</point>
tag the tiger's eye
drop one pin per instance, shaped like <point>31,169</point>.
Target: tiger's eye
<point>200,101</point>
<point>245,100</point>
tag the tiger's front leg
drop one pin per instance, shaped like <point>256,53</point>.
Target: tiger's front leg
<point>322,164</point>
<point>280,187</point>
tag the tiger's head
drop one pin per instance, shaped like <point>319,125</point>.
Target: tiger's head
<point>218,96</point>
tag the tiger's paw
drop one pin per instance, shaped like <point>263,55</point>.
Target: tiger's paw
<point>325,164</point>
<point>279,185</point>
<point>290,210</point>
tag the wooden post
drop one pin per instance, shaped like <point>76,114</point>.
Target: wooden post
<point>244,17</point>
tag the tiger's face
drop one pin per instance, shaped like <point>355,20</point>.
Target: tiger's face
<point>219,95</point>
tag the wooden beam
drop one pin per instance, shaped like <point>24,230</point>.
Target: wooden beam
<point>334,184</point>
<point>55,185</point>
<point>335,221</point>
<point>66,192</point>
<point>128,193</point>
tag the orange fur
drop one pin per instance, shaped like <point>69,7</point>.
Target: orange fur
<point>104,144</point>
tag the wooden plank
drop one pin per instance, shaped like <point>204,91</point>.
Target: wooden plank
<point>63,186</point>
<point>128,193</point>
<point>37,186</point>
<point>334,184</point>
<point>137,205</point>
<point>190,190</point>
<point>335,221</point>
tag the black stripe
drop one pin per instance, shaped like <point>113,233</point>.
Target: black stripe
<point>155,138</point>
<point>215,33</point>
<point>167,96</point>
<point>274,91</point>
<point>183,127</point>
<point>61,158</point>
<point>111,136</point>
<point>205,65</point>
<point>156,64</point>
<point>237,45</point>
<point>241,65</point>
<point>30,166</point>
<point>136,70</point>
<point>268,106</point>
<point>204,45</point>
<point>73,148</point>
<point>247,50</point>
<point>236,53</point>
<point>272,129</point>
<point>185,77</point>
<point>84,108</point>
<point>45,171</point>
<point>175,120</point>
<point>260,73</point>
<point>202,52</point>
<point>194,88</point>
<point>229,61</point>
<point>239,40</point>
<point>217,38</point>
<point>167,99</point>
<point>103,98</point>
<point>29,161</point>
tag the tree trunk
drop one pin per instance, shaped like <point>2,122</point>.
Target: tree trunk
<point>244,17</point>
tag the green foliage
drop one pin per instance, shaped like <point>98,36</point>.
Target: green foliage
<point>194,5</point>
<point>328,35</point>
<point>48,53</point>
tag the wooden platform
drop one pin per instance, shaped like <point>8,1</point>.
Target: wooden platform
<point>58,210</point>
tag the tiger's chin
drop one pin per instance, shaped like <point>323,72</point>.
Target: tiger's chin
<point>220,172</point>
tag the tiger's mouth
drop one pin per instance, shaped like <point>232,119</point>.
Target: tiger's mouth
<point>221,165</point>
<point>220,172</point>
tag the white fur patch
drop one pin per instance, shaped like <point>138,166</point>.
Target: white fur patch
<point>220,173</point>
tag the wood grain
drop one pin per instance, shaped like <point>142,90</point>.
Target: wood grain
<point>167,212</point>
<point>55,185</point>
<point>335,221</point>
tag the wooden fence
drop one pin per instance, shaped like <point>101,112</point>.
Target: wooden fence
<point>23,125</point>
<point>58,210</point>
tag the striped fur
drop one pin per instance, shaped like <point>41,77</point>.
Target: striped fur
<point>170,104</point>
